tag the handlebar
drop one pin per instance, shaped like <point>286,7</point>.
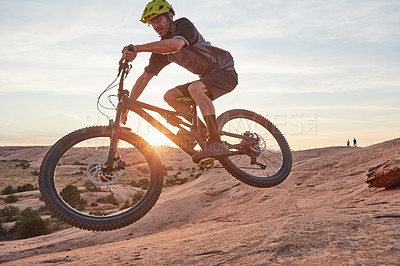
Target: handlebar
<point>124,67</point>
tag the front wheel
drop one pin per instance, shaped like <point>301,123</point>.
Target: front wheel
<point>80,191</point>
<point>265,163</point>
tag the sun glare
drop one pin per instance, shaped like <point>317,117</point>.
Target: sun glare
<point>155,138</point>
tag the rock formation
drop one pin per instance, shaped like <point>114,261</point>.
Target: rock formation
<point>386,174</point>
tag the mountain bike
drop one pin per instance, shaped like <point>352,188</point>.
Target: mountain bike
<point>106,177</point>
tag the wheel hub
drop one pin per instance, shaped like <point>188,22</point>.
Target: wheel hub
<point>97,173</point>
<point>254,150</point>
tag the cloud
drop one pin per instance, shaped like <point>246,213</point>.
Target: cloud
<point>337,56</point>
<point>304,21</point>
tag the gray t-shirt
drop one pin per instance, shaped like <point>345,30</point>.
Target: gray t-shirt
<point>198,56</point>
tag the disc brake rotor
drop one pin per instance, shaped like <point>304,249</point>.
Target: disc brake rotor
<point>96,173</point>
<point>257,148</point>
<point>260,146</point>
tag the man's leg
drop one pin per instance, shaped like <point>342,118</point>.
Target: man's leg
<point>171,96</point>
<point>198,91</point>
<point>215,148</point>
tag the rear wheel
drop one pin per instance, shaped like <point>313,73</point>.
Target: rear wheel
<point>80,192</point>
<point>265,163</point>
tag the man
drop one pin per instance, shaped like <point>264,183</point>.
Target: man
<point>182,44</point>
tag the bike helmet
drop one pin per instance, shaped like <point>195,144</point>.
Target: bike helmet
<point>155,8</point>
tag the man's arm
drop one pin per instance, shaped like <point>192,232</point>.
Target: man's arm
<point>137,89</point>
<point>140,84</point>
<point>168,46</point>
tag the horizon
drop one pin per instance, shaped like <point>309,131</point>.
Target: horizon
<point>323,73</point>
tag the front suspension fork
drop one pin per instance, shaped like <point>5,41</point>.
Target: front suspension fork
<point>115,129</point>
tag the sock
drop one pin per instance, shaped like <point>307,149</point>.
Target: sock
<point>211,122</point>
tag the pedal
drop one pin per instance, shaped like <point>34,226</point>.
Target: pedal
<point>207,163</point>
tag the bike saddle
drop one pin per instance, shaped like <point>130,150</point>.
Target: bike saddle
<point>187,100</point>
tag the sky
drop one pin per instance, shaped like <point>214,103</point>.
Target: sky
<point>323,71</point>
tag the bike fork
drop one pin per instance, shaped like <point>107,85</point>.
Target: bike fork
<point>115,127</point>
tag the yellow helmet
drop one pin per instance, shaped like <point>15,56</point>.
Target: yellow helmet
<point>155,8</point>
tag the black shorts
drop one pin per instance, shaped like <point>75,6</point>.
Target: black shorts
<point>218,83</point>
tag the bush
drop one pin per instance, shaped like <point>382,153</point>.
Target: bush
<point>36,172</point>
<point>167,168</point>
<point>176,181</point>
<point>79,163</point>
<point>108,199</point>
<point>8,190</point>
<point>144,183</point>
<point>31,225</point>
<point>145,170</point>
<point>9,214</point>
<point>11,190</point>
<point>98,213</point>
<point>26,187</point>
<point>71,195</point>
<point>137,197</point>
<point>11,199</point>
<point>23,163</point>
<point>125,206</point>
<point>92,187</point>
<point>111,199</point>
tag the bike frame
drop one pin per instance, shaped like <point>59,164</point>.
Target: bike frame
<point>172,117</point>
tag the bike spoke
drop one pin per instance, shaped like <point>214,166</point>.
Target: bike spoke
<point>84,185</point>
<point>266,151</point>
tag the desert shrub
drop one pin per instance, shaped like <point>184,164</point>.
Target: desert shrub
<point>182,181</point>
<point>134,183</point>
<point>26,187</point>
<point>144,170</point>
<point>35,173</point>
<point>111,199</point>
<point>78,173</point>
<point>108,199</point>
<point>167,168</point>
<point>98,213</point>
<point>71,195</point>
<point>92,187</point>
<point>9,214</point>
<point>137,197</point>
<point>22,163</point>
<point>79,163</point>
<point>125,206</point>
<point>11,199</point>
<point>144,183</point>
<point>8,190</point>
<point>176,181</point>
<point>31,225</point>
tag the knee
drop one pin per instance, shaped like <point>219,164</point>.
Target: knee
<point>196,90</point>
<point>170,96</point>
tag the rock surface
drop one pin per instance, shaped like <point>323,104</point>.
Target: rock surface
<point>385,175</point>
<point>323,214</point>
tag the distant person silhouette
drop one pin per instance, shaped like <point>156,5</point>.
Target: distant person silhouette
<point>355,142</point>
<point>348,143</point>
